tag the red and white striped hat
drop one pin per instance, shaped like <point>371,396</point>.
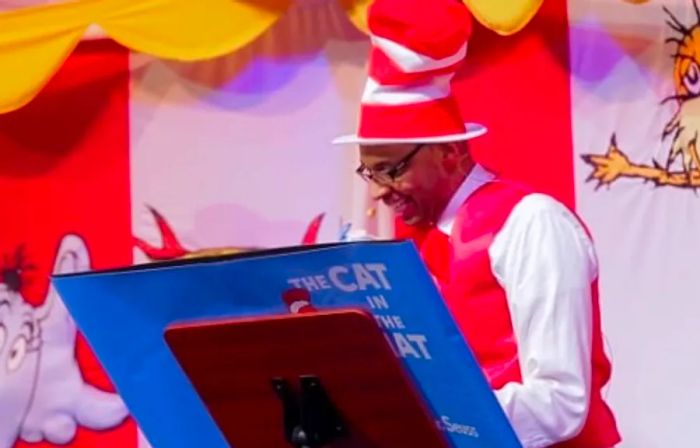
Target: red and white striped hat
<point>417,47</point>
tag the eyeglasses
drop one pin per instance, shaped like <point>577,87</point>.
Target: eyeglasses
<point>388,175</point>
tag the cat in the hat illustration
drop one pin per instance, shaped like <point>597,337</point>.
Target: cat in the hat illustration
<point>298,301</point>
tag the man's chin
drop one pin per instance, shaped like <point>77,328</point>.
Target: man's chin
<point>408,214</point>
<point>411,219</point>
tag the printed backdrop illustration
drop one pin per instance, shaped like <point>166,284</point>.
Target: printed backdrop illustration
<point>680,133</point>
<point>65,189</point>
<point>126,158</point>
<point>635,85</point>
<point>42,388</point>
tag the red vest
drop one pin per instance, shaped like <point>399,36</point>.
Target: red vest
<point>480,308</point>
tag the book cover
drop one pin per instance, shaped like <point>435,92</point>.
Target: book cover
<point>123,314</point>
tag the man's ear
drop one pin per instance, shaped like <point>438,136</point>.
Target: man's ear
<point>454,150</point>
<point>455,156</point>
<point>462,147</point>
<point>449,157</point>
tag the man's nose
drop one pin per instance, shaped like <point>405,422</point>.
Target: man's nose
<point>378,191</point>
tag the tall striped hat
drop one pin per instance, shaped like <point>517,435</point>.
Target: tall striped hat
<point>417,47</point>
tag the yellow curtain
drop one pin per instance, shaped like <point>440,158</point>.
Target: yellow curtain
<point>504,16</point>
<point>357,10</point>
<point>35,41</point>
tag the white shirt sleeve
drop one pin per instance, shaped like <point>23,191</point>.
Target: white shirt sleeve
<point>545,262</point>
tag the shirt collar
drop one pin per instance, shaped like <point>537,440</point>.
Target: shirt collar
<point>477,177</point>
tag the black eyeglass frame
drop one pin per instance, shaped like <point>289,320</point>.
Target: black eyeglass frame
<point>390,174</point>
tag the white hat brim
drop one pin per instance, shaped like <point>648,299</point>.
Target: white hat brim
<point>473,130</point>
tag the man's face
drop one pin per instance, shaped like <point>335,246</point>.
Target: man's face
<point>414,180</point>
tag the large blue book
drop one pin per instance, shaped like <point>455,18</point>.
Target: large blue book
<point>123,314</point>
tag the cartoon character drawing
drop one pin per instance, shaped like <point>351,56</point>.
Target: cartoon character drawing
<point>42,393</point>
<point>172,249</point>
<point>298,301</point>
<point>683,128</point>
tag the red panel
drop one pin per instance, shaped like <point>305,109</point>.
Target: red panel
<point>363,377</point>
<point>519,87</point>
<point>65,169</point>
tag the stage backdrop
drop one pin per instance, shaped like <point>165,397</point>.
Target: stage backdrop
<point>125,158</point>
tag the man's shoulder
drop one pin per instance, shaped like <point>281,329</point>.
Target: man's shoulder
<point>505,202</point>
<point>523,199</point>
<point>542,214</point>
<point>541,224</point>
<point>540,204</point>
<point>500,190</point>
<point>496,198</point>
<point>488,207</point>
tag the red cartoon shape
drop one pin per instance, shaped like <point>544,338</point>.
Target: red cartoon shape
<point>172,249</point>
<point>298,300</point>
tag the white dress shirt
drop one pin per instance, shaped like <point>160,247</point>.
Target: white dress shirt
<point>545,262</point>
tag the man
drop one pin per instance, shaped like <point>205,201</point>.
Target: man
<point>517,269</point>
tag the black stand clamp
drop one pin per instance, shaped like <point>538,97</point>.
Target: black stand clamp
<point>312,421</point>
